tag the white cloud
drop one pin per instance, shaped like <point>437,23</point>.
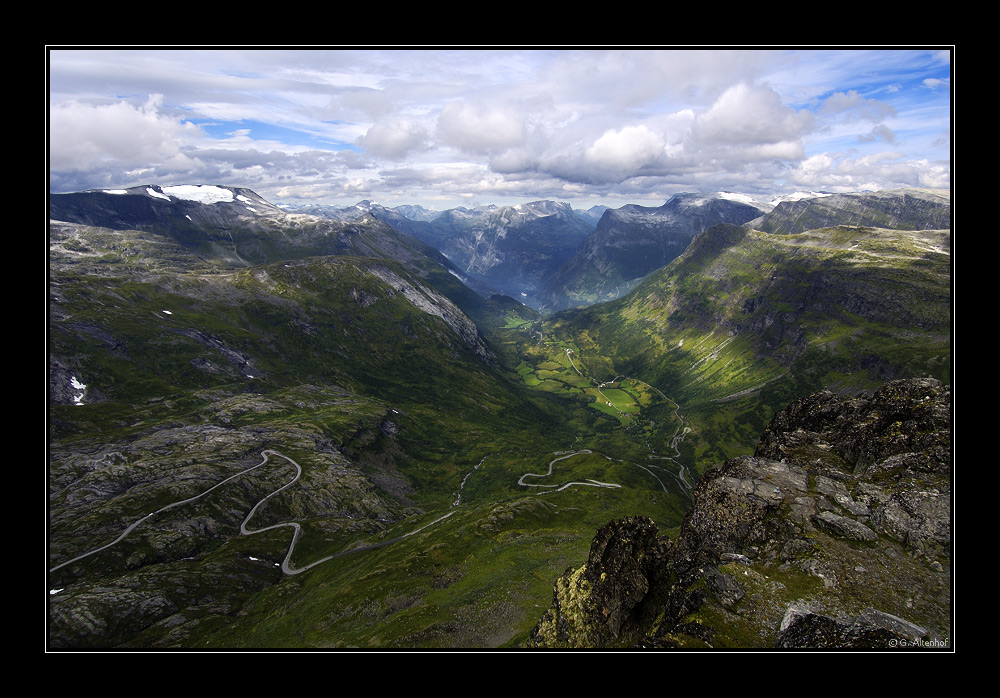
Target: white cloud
<point>628,149</point>
<point>879,132</point>
<point>629,80</point>
<point>394,140</point>
<point>478,128</point>
<point>815,165</point>
<point>884,170</point>
<point>853,106</point>
<point>88,136</point>
<point>750,115</point>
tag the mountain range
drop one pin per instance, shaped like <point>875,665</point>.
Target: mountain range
<point>511,250</point>
<point>632,241</point>
<point>551,256</point>
<point>277,428</point>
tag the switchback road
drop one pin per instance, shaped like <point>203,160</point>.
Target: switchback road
<point>286,565</point>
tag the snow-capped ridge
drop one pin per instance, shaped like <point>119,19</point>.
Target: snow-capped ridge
<point>202,193</point>
<point>799,196</point>
<point>196,193</point>
<point>740,198</point>
<point>199,193</point>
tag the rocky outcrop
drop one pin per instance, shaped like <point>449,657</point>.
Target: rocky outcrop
<point>593,604</point>
<point>892,449</point>
<point>428,300</point>
<point>836,533</point>
<point>802,628</point>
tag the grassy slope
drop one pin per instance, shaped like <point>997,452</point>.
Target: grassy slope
<point>745,321</point>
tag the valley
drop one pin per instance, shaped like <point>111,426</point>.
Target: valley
<point>273,429</point>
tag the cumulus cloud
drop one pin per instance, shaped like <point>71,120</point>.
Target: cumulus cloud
<point>885,170</point>
<point>123,144</point>
<point>394,140</point>
<point>627,149</point>
<point>625,80</point>
<point>880,132</point>
<point>478,128</point>
<point>89,136</point>
<point>744,128</point>
<point>752,115</point>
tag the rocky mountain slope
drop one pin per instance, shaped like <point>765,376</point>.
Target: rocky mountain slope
<point>495,249</point>
<point>899,209</point>
<point>365,208</point>
<point>511,248</point>
<point>632,241</point>
<point>836,533</point>
<point>120,294</point>
<point>235,227</point>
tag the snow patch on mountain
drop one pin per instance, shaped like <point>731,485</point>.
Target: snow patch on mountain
<point>202,193</point>
<point>77,386</point>
<point>799,195</point>
<point>741,198</point>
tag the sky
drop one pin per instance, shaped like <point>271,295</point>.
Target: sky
<point>447,127</point>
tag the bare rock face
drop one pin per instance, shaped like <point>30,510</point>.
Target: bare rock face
<point>891,449</point>
<point>835,534</point>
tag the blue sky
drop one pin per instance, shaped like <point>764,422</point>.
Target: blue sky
<point>444,128</point>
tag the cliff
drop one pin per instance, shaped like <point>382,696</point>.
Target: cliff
<point>836,533</point>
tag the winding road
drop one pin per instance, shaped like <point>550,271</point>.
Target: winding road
<point>560,488</point>
<point>682,428</point>
<point>286,564</point>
